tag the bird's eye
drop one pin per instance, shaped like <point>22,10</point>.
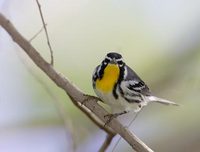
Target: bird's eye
<point>106,60</point>
<point>120,62</point>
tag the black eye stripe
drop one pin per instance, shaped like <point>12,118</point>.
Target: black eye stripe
<point>120,62</point>
<point>106,60</point>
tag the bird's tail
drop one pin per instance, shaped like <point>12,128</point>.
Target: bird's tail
<point>162,101</point>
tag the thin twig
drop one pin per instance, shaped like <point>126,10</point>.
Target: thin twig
<point>136,115</point>
<point>36,34</point>
<point>106,143</point>
<point>72,91</point>
<point>46,32</point>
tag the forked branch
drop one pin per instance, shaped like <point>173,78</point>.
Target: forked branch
<point>91,107</point>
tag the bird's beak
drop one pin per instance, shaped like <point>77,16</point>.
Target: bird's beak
<point>113,61</point>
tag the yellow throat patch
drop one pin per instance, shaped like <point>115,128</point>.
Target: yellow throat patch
<point>110,77</point>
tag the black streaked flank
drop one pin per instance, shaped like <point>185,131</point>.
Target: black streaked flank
<point>132,100</point>
<point>115,91</point>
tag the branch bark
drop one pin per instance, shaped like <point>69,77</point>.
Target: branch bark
<point>46,33</point>
<point>77,96</point>
<point>106,143</point>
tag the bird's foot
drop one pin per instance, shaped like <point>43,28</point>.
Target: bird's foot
<point>112,116</point>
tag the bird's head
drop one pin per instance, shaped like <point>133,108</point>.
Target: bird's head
<point>113,58</point>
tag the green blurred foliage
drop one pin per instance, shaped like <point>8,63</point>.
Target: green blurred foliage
<point>82,32</point>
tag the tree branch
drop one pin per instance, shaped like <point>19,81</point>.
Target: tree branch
<point>106,143</point>
<point>73,92</point>
<point>36,34</point>
<point>46,33</point>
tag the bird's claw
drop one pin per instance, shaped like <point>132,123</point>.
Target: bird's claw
<point>109,118</point>
<point>115,115</point>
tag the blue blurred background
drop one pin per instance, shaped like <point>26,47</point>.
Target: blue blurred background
<point>158,39</point>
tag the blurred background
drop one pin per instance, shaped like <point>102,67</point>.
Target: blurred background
<point>158,39</point>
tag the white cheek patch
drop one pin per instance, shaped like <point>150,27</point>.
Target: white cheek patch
<point>125,72</point>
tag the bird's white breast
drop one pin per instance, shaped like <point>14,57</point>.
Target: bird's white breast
<point>116,105</point>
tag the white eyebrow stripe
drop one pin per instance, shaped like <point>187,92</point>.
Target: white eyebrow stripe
<point>108,58</point>
<point>119,59</point>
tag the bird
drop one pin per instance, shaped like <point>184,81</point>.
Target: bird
<point>118,86</point>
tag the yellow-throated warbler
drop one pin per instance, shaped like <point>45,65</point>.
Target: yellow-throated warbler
<point>117,85</point>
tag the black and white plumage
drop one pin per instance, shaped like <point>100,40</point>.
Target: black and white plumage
<point>127,91</point>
